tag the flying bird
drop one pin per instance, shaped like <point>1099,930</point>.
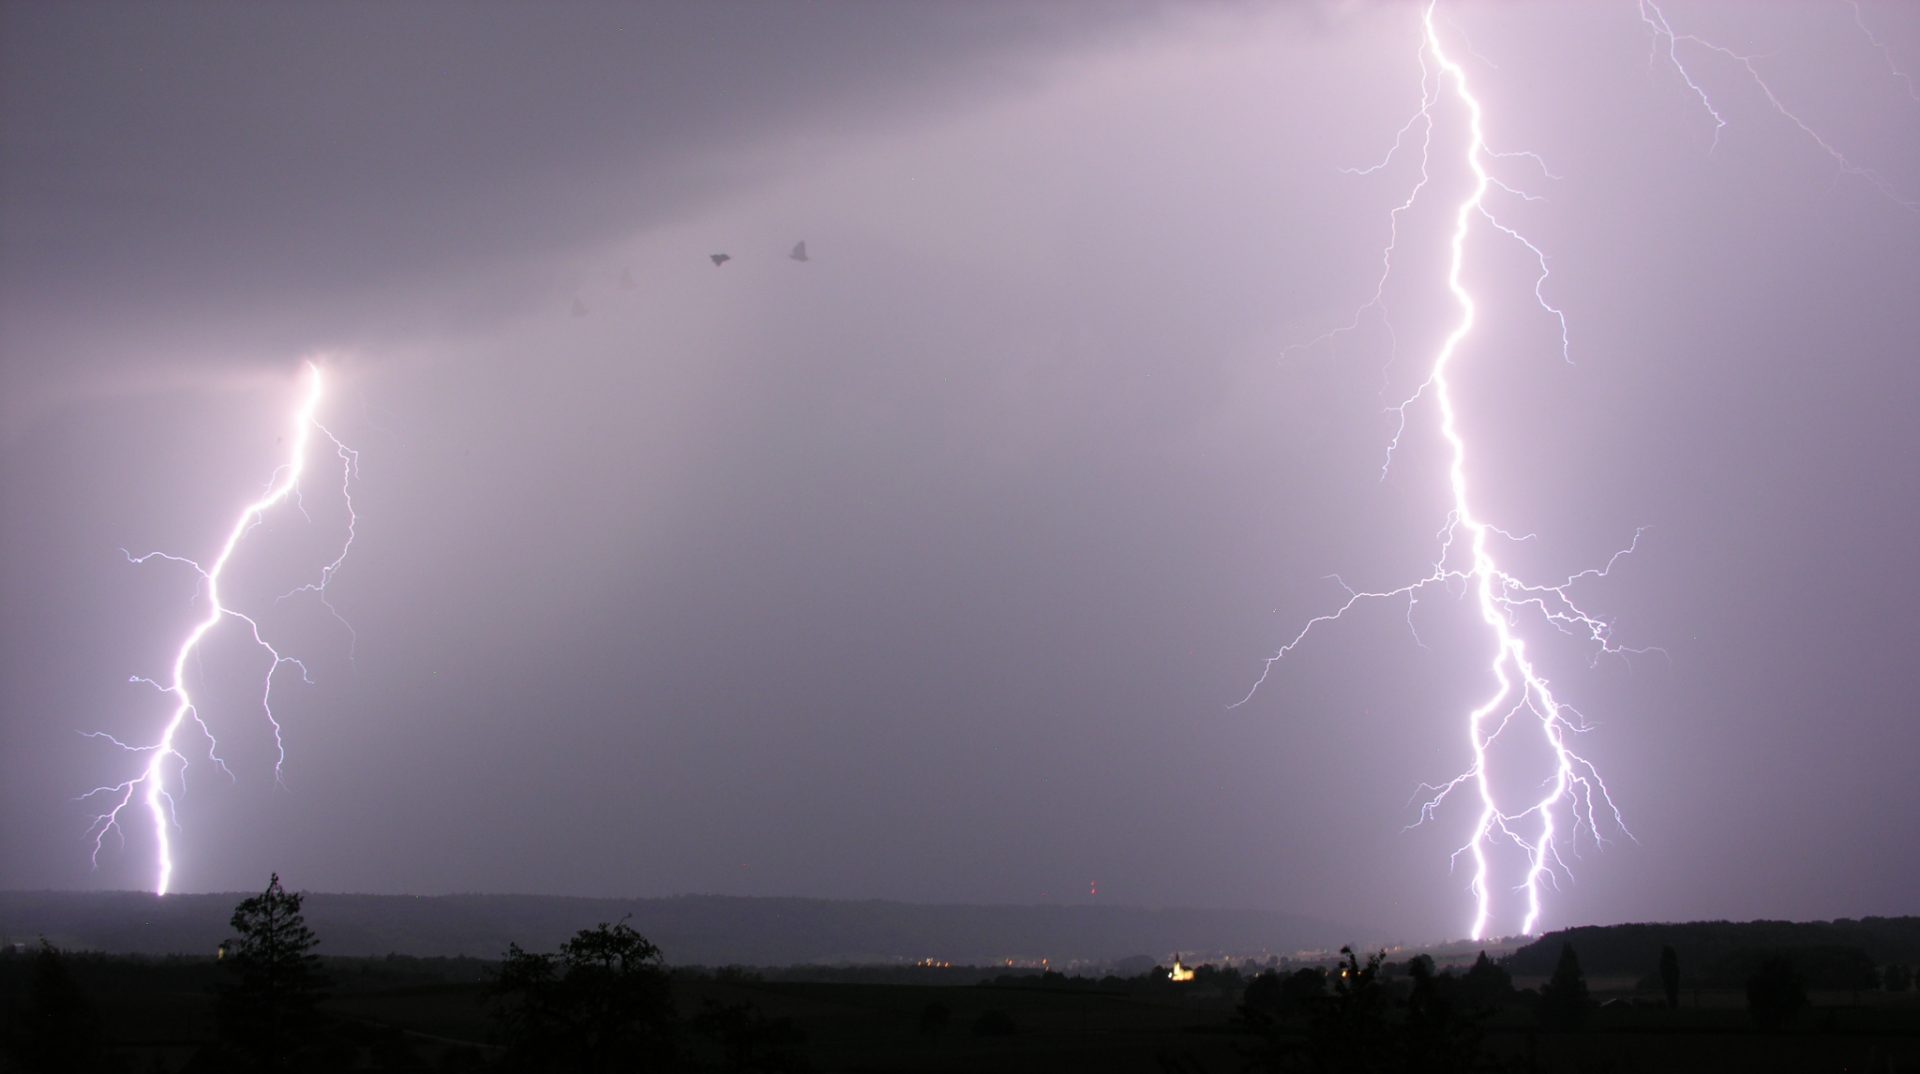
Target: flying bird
<point>626,279</point>
<point>579,308</point>
<point>799,251</point>
<point>719,259</point>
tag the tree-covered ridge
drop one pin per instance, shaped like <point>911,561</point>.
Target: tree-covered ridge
<point>1832,954</point>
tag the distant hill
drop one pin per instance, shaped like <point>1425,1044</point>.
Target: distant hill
<point>709,930</point>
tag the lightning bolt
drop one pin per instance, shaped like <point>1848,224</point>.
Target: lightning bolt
<point>1521,700</point>
<point>1572,797</point>
<point>165,765</point>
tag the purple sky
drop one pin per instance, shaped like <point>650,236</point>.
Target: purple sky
<point>927,569</point>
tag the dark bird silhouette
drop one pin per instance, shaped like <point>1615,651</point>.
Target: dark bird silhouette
<point>719,259</point>
<point>800,251</point>
<point>626,279</point>
<point>579,308</point>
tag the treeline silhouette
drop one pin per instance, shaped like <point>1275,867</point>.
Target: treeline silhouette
<point>1380,1016</point>
<point>712,930</point>
<point>1844,954</point>
<point>603,1002</point>
<point>605,999</point>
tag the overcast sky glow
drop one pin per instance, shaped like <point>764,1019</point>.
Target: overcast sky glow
<point>927,569</point>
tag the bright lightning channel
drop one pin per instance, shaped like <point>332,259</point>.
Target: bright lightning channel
<point>166,766</point>
<point>1521,700</point>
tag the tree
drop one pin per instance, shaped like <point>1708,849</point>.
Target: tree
<point>1271,995</point>
<point>1485,984</point>
<point>269,1014</point>
<point>1563,999</point>
<point>1439,1036</point>
<point>1263,1004</point>
<point>1269,1002</point>
<point>1227,981</point>
<point>1347,1031</point>
<point>602,1003</point>
<point>1897,977</point>
<point>1670,975</point>
<point>1775,993</point>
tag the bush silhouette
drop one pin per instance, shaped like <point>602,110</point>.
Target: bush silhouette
<point>602,1003</point>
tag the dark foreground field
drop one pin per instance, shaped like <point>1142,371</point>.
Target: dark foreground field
<point>853,1027</point>
<point>432,1015</point>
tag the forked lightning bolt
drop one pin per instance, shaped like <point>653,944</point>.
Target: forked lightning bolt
<point>1572,795</point>
<point>156,783</point>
